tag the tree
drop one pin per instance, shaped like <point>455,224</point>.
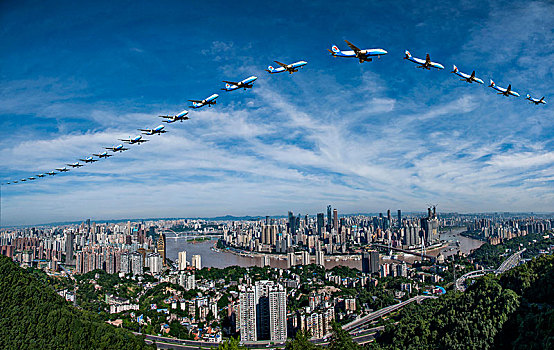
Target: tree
<point>301,342</point>
<point>341,339</point>
<point>230,344</point>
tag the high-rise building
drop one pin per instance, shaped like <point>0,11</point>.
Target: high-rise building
<point>305,258</point>
<point>292,223</point>
<point>336,220</point>
<point>182,260</point>
<point>247,319</point>
<point>155,263</point>
<point>277,313</point>
<point>291,259</point>
<point>430,227</point>
<point>136,263</point>
<point>370,262</point>
<point>329,218</point>
<point>320,224</point>
<point>399,223</point>
<point>266,260</point>
<point>196,262</point>
<point>125,265</point>
<point>320,258</point>
<point>161,247</point>
<point>263,312</point>
<point>69,238</point>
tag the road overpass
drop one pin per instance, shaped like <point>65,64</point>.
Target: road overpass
<point>511,262</point>
<point>382,312</point>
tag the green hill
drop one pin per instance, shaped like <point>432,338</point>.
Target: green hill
<point>33,316</point>
<point>511,311</point>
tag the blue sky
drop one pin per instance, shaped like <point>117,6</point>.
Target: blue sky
<point>363,137</point>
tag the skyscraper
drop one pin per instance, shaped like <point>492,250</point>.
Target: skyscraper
<point>69,248</point>
<point>320,224</point>
<point>182,260</point>
<point>399,223</point>
<point>292,223</point>
<point>370,262</point>
<point>161,247</point>
<point>336,220</point>
<point>329,218</point>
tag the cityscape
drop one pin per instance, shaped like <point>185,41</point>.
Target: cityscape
<point>299,175</point>
<point>296,273</point>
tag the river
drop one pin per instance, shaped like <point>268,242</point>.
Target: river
<point>221,259</point>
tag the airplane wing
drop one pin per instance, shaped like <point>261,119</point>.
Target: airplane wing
<point>145,130</point>
<point>352,46</point>
<point>197,101</point>
<point>230,82</point>
<point>281,64</point>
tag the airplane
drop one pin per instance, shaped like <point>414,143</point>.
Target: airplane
<point>179,117</point>
<point>88,160</point>
<point>201,103</point>
<point>51,173</point>
<point>426,63</point>
<point>467,77</point>
<point>7,183</point>
<point>156,131</point>
<point>137,139</point>
<point>506,92</point>
<point>103,155</point>
<point>117,148</point>
<point>245,84</point>
<point>23,180</point>
<point>15,181</point>
<point>75,165</point>
<point>62,170</point>
<point>40,175</point>
<point>536,100</point>
<point>32,178</point>
<point>291,68</point>
<point>361,55</point>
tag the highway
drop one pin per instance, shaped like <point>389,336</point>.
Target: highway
<point>382,312</point>
<point>360,337</point>
<point>511,262</point>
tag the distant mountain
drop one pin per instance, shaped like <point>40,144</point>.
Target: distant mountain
<point>33,316</point>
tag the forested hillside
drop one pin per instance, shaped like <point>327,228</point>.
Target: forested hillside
<point>515,310</point>
<point>32,316</point>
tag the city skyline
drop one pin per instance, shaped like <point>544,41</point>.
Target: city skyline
<point>361,136</point>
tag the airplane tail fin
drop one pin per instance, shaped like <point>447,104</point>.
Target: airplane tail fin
<point>270,69</point>
<point>492,83</point>
<point>227,86</point>
<point>408,54</point>
<point>454,69</point>
<point>542,99</point>
<point>528,96</point>
<point>335,49</point>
